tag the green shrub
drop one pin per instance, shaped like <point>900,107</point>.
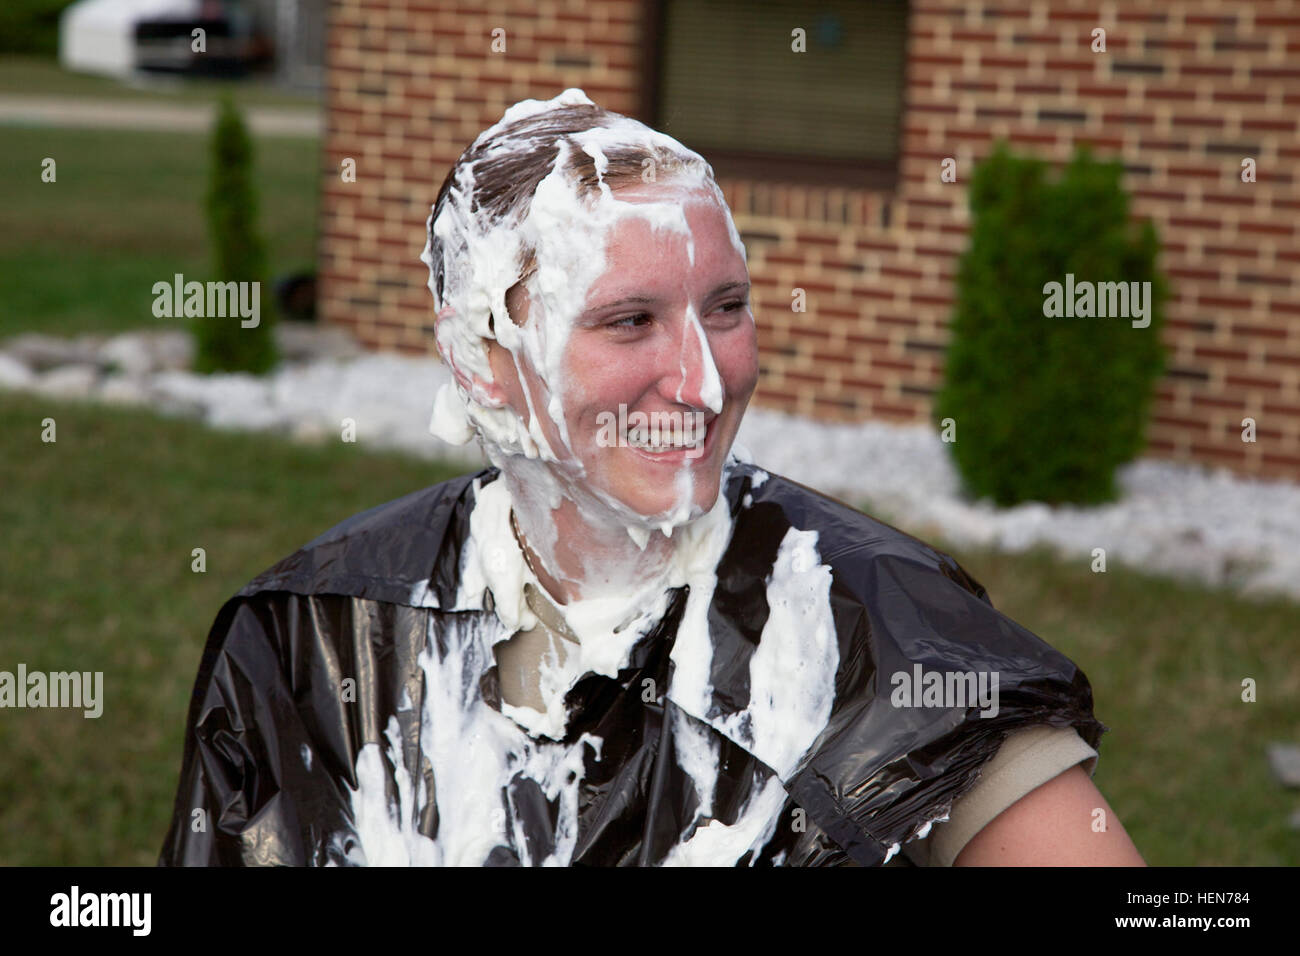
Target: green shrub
<point>31,26</point>
<point>239,255</point>
<point>1046,408</point>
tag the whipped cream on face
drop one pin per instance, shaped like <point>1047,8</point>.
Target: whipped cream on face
<point>568,234</point>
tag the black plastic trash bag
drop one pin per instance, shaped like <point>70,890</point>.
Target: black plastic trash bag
<point>325,729</point>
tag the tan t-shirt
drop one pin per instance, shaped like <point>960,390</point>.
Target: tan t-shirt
<point>519,658</point>
<point>1027,759</point>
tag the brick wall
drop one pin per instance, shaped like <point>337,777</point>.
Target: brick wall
<point>1185,90</point>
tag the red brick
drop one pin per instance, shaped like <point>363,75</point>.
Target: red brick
<point>1253,381</point>
<point>1279,408</point>
<point>1017,63</point>
<point>1228,453</point>
<point>811,378</point>
<point>889,410</point>
<point>1227,199</point>
<point>1274,73</point>
<point>1290,463</point>
<point>860,384</point>
<point>1191,222</point>
<point>1205,401</point>
<point>1094,91</point>
<point>1169,43</point>
<point>1202,122</point>
<point>1222,301</point>
<point>1269,228</point>
<point>1213,352</point>
<point>862,339</point>
<point>1170,93</point>
<point>1239,96</point>
<point>935,60</point>
<point>1178,421</point>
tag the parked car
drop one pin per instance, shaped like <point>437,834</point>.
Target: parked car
<point>120,37</point>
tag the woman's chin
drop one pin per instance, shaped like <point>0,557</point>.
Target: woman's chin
<point>655,508</point>
<point>652,495</point>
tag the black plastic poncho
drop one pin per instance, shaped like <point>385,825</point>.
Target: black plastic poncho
<point>316,677</point>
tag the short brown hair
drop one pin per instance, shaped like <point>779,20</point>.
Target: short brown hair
<point>504,180</point>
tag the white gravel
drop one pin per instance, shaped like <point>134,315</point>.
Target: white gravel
<point>1186,520</point>
<point>15,374</point>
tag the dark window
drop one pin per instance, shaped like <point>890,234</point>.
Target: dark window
<point>726,82</point>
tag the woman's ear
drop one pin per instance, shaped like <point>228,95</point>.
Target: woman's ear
<point>487,393</point>
<point>517,303</point>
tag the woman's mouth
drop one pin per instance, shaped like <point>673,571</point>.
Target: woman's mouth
<point>688,441</point>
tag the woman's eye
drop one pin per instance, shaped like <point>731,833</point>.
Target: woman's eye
<point>642,318</point>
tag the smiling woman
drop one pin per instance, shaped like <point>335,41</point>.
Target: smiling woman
<point>615,285</point>
<point>681,347</point>
<point>623,643</point>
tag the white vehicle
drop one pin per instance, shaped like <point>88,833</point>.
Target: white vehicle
<point>98,36</point>
<point>124,37</point>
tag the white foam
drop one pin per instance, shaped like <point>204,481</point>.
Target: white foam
<point>721,844</point>
<point>792,671</point>
<point>474,753</point>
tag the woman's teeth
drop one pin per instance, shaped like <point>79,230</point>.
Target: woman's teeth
<point>664,441</point>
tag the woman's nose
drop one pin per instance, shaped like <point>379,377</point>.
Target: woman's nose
<point>695,381</point>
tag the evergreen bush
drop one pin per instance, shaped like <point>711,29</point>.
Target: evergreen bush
<point>1046,407</point>
<point>224,344</point>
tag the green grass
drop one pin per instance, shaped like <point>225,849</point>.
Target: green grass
<point>95,575</point>
<point>81,254</point>
<point>42,76</point>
